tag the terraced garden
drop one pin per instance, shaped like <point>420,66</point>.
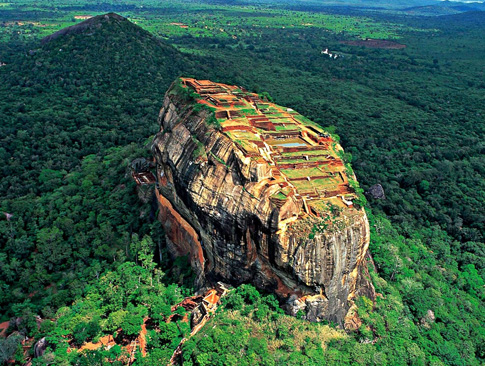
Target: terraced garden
<point>304,159</point>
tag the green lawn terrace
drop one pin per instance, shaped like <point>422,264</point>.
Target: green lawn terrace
<point>303,159</point>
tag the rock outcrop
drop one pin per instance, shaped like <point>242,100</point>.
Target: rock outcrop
<point>40,347</point>
<point>376,192</point>
<point>255,193</point>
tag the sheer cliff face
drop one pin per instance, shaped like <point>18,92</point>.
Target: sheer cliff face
<point>259,195</point>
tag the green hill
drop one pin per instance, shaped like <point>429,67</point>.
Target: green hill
<point>85,89</point>
<point>75,109</point>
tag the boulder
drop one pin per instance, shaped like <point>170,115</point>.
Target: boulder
<point>376,192</point>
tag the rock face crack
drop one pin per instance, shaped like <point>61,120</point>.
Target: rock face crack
<point>254,192</point>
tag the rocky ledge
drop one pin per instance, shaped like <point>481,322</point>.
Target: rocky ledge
<point>256,193</point>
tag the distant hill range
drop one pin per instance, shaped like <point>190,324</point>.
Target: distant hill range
<point>445,8</point>
<point>411,7</point>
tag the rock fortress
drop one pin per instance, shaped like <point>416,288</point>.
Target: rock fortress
<point>253,192</point>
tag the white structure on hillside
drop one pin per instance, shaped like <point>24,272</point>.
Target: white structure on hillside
<point>327,52</point>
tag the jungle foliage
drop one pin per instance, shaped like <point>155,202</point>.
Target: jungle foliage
<point>75,111</point>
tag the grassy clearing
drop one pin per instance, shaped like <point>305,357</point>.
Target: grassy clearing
<point>307,122</point>
<point>247,111</point>
<point>326,183</point>
<point>319,205</point>
<point>281,119</point>
<point>301,173</point>
<point>279,195</point>
<point>289,127</point>
<point>305,185</point>
<point>241,135</point>
<point>309,153</point>
<point>303,160</point>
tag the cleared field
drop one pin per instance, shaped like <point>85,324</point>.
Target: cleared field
<point>247,111</point>
<point>286,127</point>
<point>307,122</point>
<point>302,160</point>
<point>309,153</point>
<point>281,119</point>
<point>301,173</point>
<point>241,135</point>
<point>316,184</point>
<point>291,142</point>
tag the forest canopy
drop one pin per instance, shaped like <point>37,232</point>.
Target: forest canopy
<point>77,110</point>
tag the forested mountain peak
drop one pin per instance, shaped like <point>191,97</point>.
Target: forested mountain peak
<point>106,29</point>
<point>103,77</point>
<point>90,25</point>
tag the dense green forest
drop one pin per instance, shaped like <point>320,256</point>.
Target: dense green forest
<point>82,251</point>
<point>76,113</point>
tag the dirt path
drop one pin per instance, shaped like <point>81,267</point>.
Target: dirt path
<point>106,341</point>
<point>3,328</point>
<point>142,338</point>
